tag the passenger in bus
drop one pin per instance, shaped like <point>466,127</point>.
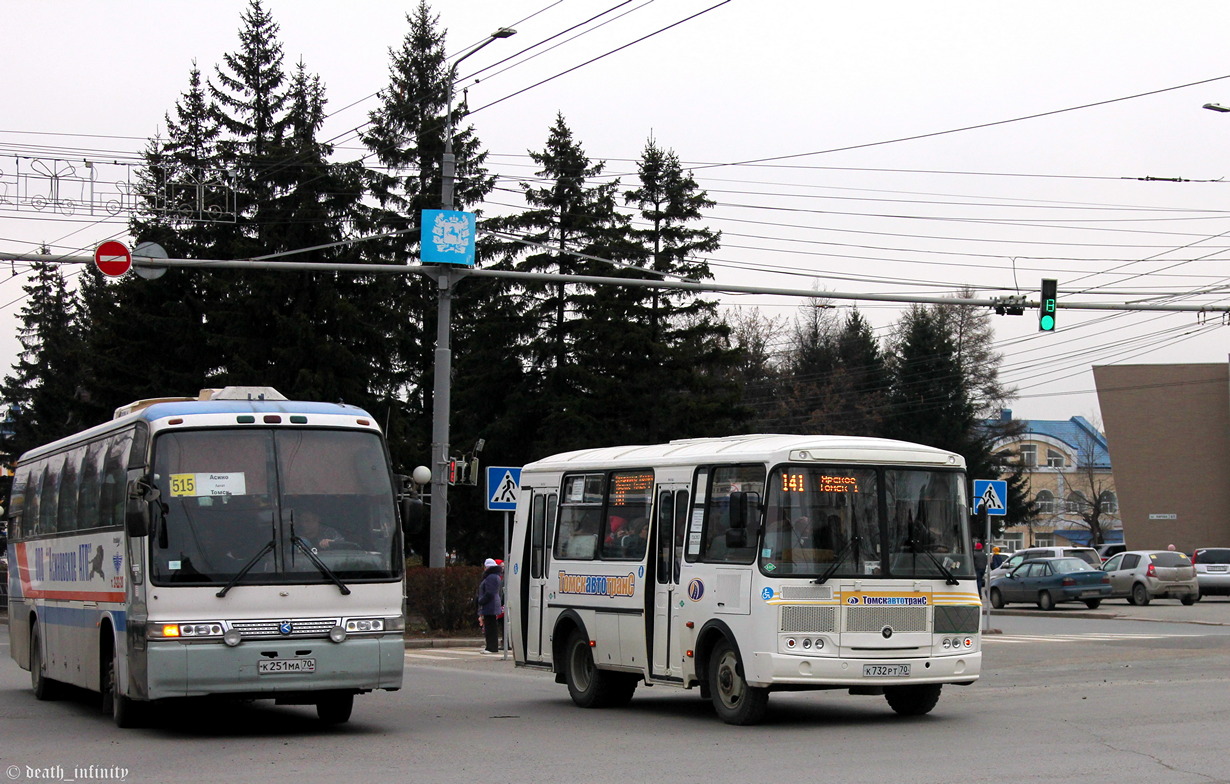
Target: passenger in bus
<point>636,538</point>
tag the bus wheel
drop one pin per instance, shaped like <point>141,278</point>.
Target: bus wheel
<point>734,701</point>
<point>589,686</point>
<point>44,688</point>
<point>335,708</point>
<point>913,700</point>
<point>125,711</point>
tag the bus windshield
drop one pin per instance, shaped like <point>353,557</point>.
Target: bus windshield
<point>860,521</point>
<point>238,499</point>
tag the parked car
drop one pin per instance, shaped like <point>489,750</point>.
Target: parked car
<point>1086,554</point>
<point>1212,570</point>
<point>1049,581</point>
<point>1142,575</point>
<point>1107,550</point>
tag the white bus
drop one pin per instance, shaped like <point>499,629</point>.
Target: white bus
<point>747,565</point>
<point>171,552</point>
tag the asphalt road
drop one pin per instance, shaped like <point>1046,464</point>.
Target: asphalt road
<point>1119,694</point>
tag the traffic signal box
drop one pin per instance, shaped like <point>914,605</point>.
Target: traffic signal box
<point>1046,308</point>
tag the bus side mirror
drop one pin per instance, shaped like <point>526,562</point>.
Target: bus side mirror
<point>413,513</point>
<point>744,507</point>
<point>140,498</point>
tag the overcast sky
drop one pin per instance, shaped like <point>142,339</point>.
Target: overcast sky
<point>901,147</point>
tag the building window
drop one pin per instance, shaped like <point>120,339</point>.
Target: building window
<point>1045,501</point>
<point>1076,503</point>
<point>1044,540</point>
<point>1110,503</point>
<point>1010,542</point>
<point>1054,459</point>
<point>1029,455</point>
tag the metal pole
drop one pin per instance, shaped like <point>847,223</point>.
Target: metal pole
<point>441,403</point>
<point>504,577</point>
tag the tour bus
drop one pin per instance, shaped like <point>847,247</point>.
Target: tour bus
<point>234,544</point>
<point>747,565</point>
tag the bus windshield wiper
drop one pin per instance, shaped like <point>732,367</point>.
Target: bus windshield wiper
<point>845,548</point>
<point>949,579</point>
<point>325,570</point>
<point>253,561</point>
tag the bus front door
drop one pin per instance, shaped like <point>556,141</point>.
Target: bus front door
<point>669,532</point>
<point>542,521</point>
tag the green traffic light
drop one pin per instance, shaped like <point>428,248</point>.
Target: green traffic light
<point>1046,323</point>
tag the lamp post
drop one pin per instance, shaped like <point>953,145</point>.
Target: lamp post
<point>445,276</point>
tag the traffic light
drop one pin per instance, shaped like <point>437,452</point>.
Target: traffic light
<point>1046,308</point>
<point>453,466</point>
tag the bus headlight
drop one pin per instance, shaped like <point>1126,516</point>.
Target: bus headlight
<point>373,625</point>
<point>185,631</point>
<point>337,634</point>
<point>232,638</point>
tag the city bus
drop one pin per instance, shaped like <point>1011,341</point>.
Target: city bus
<point>747,565</point>
<point>171,553</point>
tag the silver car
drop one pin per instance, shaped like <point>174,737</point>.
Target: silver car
<point>1212,570</point>
<point>1142,575</point>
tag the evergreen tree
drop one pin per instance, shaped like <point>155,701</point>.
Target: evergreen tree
<point>929,399</point>
<point>683,360</point>
<point>570,225</point>
<point>45,386</point>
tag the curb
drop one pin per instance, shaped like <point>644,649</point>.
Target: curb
<point>445,642</point>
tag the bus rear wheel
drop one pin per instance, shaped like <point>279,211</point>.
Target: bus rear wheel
<point>734,700</point>
<point>334,708</point>
<point>44,688</point>
<point>913,700</point>
<point>589,686</point>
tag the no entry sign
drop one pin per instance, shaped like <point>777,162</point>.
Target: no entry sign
<point>112,258</point>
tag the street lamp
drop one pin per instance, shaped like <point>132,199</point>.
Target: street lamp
<point>445,276</point>
<point>1217,107</point>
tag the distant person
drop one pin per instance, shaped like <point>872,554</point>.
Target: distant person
<point>490,608</point>
<point>1170,547</point>
<point>980,563</point>
<point>997,558</point>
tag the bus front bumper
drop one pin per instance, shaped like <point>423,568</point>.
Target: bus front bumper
<point>777,669</point>
<point>268,668</point>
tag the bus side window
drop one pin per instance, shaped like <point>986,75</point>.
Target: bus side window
<point>48,496</point>
<point>87,499</point>
<point>723,542</point>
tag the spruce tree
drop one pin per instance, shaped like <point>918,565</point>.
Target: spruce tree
<point>684,359</point>
<point>45,386</point>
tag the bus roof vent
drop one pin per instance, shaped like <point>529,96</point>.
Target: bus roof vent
<point>137,405</point>
<point>226,393</point>
<point>241,393</point>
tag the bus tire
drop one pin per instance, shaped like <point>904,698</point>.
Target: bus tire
<point>622,687</point>
<point>913,700</point>
<point>588,686</point>
<point>734,700</point>
<point>44,688</point>
<point>125,711</point>
<point>334,708</point>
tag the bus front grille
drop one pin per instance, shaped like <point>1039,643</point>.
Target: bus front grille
<point>808,618</point>
<point>285,628</point>
<point>873,619</point>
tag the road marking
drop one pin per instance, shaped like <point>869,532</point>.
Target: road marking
<point>1013,639</point>
<point>445,653</point>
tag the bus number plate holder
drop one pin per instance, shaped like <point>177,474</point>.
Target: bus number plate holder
<point>886,670</point>
<point>285,665</point>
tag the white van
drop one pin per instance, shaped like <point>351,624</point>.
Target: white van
<point>1086,554</point>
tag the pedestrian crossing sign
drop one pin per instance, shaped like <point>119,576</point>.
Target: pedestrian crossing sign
<point>992,495</point>
<point>503,482</point>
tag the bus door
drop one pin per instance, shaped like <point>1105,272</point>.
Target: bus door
<point>533,620</point>
<point>670,530</point>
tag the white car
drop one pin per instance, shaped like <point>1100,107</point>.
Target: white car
<point>1212,570</point>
